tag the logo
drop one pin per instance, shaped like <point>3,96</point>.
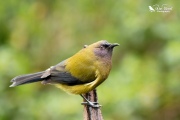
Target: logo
<point>160,8</point>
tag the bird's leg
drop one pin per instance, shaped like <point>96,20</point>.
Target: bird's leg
<point>92,104</point>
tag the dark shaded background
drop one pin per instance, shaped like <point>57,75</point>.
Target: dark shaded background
<point>144,83</point>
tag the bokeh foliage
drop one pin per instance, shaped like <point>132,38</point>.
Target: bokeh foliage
<point>144,83</point>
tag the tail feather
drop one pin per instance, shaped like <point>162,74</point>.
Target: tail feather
<point>28,78</point>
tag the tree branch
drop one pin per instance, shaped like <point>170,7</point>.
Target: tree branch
<point>91,113</point>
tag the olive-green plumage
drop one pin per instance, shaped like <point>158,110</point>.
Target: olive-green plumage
<point>78,74</point>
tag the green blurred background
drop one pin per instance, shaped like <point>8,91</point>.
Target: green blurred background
<point>144,83</point>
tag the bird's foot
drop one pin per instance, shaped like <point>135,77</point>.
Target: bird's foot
<point>92,104</point>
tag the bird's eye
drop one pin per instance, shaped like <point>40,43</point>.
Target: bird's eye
<point>106,45</point>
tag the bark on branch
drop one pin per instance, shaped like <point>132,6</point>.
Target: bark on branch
<point>91,113</point>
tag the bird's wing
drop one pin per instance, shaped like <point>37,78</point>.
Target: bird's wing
<point>57,74</point>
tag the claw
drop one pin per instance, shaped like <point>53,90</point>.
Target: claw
<point>92,104</point>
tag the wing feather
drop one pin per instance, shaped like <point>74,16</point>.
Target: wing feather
<point>57,74</point>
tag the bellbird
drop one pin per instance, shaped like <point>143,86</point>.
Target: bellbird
<point>78,74</point>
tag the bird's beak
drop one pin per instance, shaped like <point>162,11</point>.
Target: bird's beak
<point>114,45</point>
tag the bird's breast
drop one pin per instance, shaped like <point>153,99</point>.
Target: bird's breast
<point>82,66</point>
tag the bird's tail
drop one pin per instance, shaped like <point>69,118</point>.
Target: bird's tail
<point>28,78</point>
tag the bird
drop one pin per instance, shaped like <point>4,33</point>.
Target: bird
<point>151,9</point>
<point>78,74</point>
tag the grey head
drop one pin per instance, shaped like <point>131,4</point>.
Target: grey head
<point>103,48</point>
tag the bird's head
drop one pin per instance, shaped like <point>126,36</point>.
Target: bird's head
<point>103,48</point>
